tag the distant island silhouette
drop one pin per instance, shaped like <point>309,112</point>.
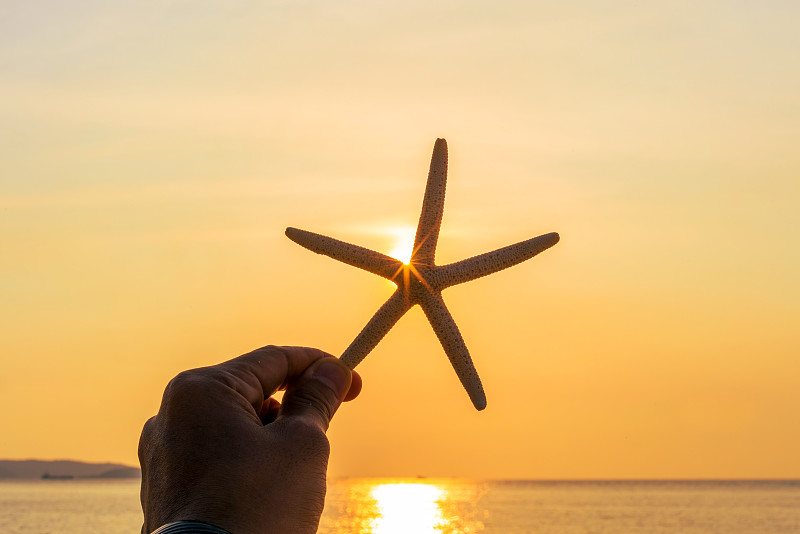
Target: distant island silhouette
<point>64,469</point>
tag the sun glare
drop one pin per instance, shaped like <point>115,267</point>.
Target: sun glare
<point>403,246</point>
<point>407,507</point>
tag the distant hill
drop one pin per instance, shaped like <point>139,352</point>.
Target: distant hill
<point>5,473</point>
<point>64,468</point>
<point>121,472</point>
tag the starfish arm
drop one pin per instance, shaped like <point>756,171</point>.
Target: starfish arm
<point>360,257</point>
<point>449,336</point>
<point>377,327</point>
<point>491,262</point>
<point>430,219</point>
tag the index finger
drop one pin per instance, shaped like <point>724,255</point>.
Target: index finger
<point>266,370</point>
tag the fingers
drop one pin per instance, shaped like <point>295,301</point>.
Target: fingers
<point>269,411</point>
<point>317,394</point>
<point>260,373</point>
<point>271,407</point>
<point>355,386</point>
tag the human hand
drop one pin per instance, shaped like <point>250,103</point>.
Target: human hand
<point>222,451</point>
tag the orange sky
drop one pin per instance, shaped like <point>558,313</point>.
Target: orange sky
<point>153,153</point>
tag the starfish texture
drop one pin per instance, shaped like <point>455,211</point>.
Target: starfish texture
<point>421,281</point>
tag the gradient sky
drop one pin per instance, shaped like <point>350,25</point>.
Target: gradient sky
<point>152,153</point>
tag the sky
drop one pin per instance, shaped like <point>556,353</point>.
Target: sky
<point>152,154</point>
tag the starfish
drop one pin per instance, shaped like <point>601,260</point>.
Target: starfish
<point>421,281</point>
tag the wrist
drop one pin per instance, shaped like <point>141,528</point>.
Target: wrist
<point>189,527</point>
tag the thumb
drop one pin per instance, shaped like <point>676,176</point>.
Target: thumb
<point>317,394</point>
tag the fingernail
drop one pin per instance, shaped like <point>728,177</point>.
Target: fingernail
<point>333,375</point>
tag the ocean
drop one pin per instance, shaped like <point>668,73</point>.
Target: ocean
<point>449,506</point>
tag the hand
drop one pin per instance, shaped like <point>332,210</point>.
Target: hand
<point>221,451</point>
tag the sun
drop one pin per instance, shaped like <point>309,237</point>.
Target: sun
<point>403,245</point>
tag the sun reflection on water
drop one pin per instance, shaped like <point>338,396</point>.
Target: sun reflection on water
<point>407,507</point>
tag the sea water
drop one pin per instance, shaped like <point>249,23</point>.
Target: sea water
<point>449,506</point>
<point>425,506</point>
